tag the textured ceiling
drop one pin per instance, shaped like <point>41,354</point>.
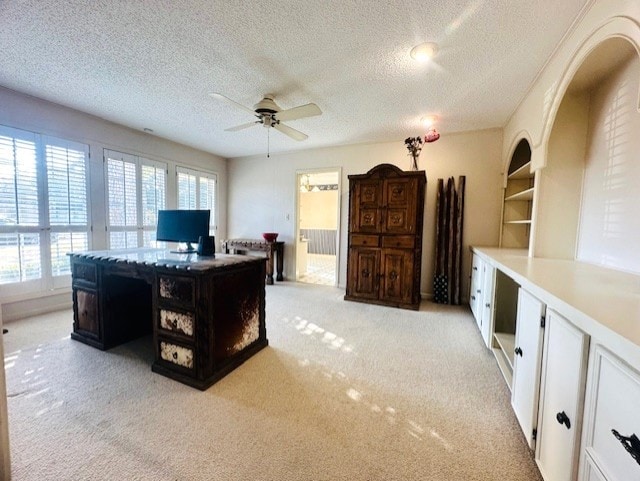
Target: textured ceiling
<point>151,64</point>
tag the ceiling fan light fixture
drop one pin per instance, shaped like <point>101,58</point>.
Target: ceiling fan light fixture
<point>424,52</point>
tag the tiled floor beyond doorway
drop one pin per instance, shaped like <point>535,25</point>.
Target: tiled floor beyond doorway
<point>321,269</point>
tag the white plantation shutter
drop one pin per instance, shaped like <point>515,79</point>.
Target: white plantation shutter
<point>66,185</point>
<point>43,207</point>
<point>197,190</point>
<point>136,190</point>
<point>19,207</point>
<point>208,198</point>
<point>67,197</point>
<point>153,183</point>
<point>186,189</point>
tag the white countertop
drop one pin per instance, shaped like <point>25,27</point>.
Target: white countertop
<point>604,303</point>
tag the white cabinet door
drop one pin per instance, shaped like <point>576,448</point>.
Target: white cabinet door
<point>612,417</point>
<point>562,392</point>
<point>526,366</point>
<point>475,289</point>
<point>486,310</point>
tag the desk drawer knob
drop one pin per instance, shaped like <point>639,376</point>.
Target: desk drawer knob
<point>631,444</point>
<point>562,418</point>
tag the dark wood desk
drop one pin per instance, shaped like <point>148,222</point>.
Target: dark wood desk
<point>273,249</point>
<point>207,314</point>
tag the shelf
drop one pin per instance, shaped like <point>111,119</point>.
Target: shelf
<point>504,366</point>
<point>524,221</point>
<point>503,352</point>
<point>507,342</point>
<point>521,173</point>
<point>524,195</point>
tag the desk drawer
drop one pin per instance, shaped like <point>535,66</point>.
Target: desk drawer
<point>399,241</point>
<point>85,272</point>
<point>176,289</point>
<point>176,354</point>
<point>177,322</point>
<point>614,401</point>
<point>365,240</point>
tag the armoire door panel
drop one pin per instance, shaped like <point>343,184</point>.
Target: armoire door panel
<point>368,220</point>
<point>364,267</point>
<point>395,278</point>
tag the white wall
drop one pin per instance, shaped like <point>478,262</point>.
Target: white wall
<point>262,191</point>
<point>610,224</point>
<point>30,113</point>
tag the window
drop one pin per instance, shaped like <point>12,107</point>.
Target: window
<point>43,208</point>
<point>136,190</point>
<point>197,190</point>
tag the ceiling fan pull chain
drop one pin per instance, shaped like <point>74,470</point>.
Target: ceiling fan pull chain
<point>268,143</point>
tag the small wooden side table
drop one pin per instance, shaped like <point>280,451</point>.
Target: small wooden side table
<point>273,249</point>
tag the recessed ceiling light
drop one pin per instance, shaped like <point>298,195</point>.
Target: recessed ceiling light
<point>429,120</point>
<point>424,52</point>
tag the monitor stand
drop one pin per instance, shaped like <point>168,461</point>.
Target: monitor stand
<point>188,250</point>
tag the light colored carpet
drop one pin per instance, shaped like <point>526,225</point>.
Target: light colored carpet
<point>345,391</point>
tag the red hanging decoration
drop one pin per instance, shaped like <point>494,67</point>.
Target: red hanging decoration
<point>432,135</point>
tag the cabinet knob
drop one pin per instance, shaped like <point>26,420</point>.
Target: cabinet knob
<point>518,351</point>
<point>630,443</point>
<point>487,305</point>
<point>475,268</point>
<point>562,418</point>
<point>473,298</point>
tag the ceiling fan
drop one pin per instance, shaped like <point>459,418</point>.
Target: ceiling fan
<point>269,115</point>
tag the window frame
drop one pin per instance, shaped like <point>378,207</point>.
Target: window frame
<point>47,280</point>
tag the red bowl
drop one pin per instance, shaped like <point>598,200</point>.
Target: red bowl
<point>270,236</point>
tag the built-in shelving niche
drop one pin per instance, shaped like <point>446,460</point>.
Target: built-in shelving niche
<point>518,199</point>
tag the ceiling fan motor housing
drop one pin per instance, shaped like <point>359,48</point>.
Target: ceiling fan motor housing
<point>266,106</point>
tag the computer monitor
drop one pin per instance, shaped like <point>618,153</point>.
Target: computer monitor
<point>183,226</point>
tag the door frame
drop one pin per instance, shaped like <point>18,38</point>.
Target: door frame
<point>311,171</point>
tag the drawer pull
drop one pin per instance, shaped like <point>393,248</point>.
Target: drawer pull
<point>518,351</point>
<point>562,418</point>
<point>631,444</point>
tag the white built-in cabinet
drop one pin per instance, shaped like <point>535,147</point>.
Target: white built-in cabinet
<point>561,398</point>
<point>475,290</point>
<point>481,296</point>
<point>526,365</point>
<point>577,402</point>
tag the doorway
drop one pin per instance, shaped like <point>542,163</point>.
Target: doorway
<point>318,222</point>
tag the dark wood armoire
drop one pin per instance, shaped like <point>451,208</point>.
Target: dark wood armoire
<point>386,210</point>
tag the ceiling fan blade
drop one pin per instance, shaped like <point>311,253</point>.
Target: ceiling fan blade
<point>307,110</point>
<point>293,133</point>
<point>242,126</point>
<point>224,98</point>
